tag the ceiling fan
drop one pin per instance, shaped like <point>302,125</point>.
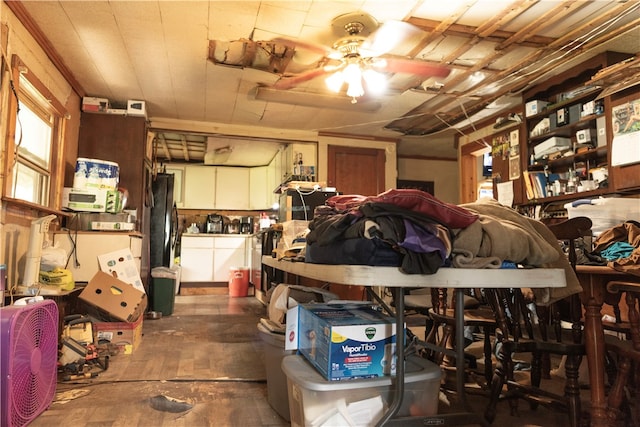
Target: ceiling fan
<point>361,55</point>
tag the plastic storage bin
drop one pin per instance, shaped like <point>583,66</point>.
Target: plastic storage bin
<point>605,212</point>
<point>274,352</point>
<point>163,285</point>
<point>314,401</point>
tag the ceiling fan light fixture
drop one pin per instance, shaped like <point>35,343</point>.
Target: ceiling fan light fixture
<point>335,81</point>
<point>376,82</point>
<point>352,75</point>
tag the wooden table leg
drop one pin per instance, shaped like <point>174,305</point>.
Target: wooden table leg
<point>592,299</point>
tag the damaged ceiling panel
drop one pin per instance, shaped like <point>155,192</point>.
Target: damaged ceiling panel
<point>260,55</point>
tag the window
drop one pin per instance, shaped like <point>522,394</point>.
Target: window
<point>37,139</point>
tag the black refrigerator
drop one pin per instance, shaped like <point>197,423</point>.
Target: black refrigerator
<point>164,219</point>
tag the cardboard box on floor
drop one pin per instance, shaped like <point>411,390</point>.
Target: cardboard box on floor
<point>112,299</point>
<point>127,336</point>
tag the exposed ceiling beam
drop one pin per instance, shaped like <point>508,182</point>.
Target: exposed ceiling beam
<point>164,146</point>
<point>467,31</point>
<point>185,147</point>
<point>546,20</point>
<point>508,14</point>
<point>509,79</point>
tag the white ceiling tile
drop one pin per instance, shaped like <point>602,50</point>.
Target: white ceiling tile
<point>280,20</point>
<point>232,20</point>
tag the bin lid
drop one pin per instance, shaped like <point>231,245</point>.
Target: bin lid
<point>270,337</point>
<point>164,272</point>
<point>298,370</point>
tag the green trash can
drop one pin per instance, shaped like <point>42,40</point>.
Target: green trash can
<point>163,284</point>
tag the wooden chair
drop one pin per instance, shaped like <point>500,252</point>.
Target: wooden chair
<point>626,352</point>
<point>477,314</point>
<point>521,334</point>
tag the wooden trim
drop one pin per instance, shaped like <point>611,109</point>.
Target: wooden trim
<point>432,158</point>
<point>32,28</point>
<point>10,137</point>
<point>357,137</point>
<point>15,211</point>
<point>57,161</point>
<point>21,68</point>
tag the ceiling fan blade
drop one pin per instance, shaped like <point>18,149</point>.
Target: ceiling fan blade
<point>390,35</point>
<point>289,82</point>
<point>411,66</point>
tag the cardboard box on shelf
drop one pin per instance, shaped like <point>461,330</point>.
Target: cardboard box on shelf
<point>127,336</point>
<point>344,340</point>
<point>136,108</point>
<point>91,200</point>
<point>534,107</point>
<point>551,145</point>
<point>95,105</point>
<point>112,299</point>
<point>122,265</point>
<point>113,225</point>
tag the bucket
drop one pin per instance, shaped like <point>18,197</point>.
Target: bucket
<point>238,281</point>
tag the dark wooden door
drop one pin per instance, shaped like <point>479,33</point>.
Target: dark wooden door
<point>354,170</point>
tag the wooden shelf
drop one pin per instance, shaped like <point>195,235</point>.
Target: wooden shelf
<point>553,107</point>
<point>596,153</point>
<point>567,130</point>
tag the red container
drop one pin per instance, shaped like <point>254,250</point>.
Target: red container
<point>238,281</point>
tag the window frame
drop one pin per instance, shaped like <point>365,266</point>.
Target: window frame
<point>53,108</point>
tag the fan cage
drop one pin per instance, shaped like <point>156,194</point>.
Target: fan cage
<point>29,350</point>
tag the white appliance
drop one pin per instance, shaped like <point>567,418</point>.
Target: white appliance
<point>39,227</point>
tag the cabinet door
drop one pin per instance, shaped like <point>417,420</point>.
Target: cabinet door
<point>258,188</point>
<point>229,252</point>
<point>196,259</point>
<point>119,139</point>
<point>199,187</point>
<point>232,188</point>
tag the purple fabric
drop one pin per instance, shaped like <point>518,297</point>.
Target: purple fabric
<point>417,239</point>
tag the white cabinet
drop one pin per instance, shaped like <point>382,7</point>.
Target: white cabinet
<point>259,188</point>
<point>88,245</point>
<point>199,187</point>
<point>232,188</point>
<point>228,252</point>
<point>196,258</point>
<point>209,258</point>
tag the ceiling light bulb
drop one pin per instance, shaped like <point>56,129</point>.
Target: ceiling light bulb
<point>353,77</point>
<point>352,73</point>
<point>376,82</point>
<point>334,81</point>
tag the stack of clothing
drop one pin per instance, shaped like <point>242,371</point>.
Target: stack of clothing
<point>418,233</point>
<point>620,247</point>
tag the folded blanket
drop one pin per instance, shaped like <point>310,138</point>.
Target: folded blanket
<point>505,234</point>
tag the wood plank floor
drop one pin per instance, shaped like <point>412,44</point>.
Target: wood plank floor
<point>208,353</point>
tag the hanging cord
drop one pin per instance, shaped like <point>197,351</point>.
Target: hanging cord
<point>74,241</point>
<point>304,206</point>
